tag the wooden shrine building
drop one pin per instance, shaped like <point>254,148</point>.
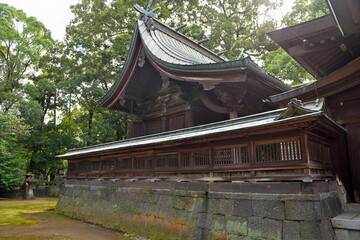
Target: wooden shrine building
<point>220,149</point>
<point>329,48</point>
<point>172,82</point>
<point>204,117</point>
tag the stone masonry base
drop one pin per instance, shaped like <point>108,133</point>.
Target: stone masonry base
<point>204,210</point>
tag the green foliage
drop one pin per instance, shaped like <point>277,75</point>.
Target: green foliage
<point>280,64</point>
<point>12,152</point>
<point>306,10</point>
<point>30,72</point>
<point>23,40</point>
<point>232,25</point>
<point>235,26</point>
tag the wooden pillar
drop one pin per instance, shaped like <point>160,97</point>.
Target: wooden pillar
<point>211,161</point>
<point>252,154</point>
<point>163,124</point>
<point>179,163</point>
<point>115,166</point>
<point>189,118</point>
<point>233,114</point>
<point>132,162</point>
<point>77,169</point>
<point>305,148</point>
<point>100,166</point>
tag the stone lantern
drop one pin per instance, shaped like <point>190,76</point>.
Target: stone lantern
<point>29,186</point>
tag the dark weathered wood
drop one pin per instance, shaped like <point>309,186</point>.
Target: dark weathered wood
<point>353,140</point>
<point>299,155</point>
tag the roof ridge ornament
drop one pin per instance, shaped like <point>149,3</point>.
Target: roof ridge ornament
<point>296,108</point>
<point>240,55</point>
<point>151,2</point>
<point>222,52</point>
<point>203,40</point>
<point>296,102</point>
<point>180,27</point>
<point>147,12</point>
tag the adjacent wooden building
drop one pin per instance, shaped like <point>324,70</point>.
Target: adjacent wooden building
<point>329,48</point>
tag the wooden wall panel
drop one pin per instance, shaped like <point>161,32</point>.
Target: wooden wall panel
<point>154,126</point>
<point>176,122</point>
<point>353,141</point>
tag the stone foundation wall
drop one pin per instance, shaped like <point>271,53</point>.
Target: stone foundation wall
<point>201,210</point>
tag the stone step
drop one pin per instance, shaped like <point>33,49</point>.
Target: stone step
<point>352,207</point>
<point>347,220</point>
<point>347,224</point>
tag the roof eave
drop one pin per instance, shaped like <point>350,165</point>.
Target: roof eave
<point>310,91</point>
<point>300,32</point>
<point>245,64</point>
<point>131,55</point>
<point>302,29</point>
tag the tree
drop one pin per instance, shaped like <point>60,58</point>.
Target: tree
<point>236,26</point>
<point>23,40</point>
<point>97,40</point>
<point>12,152</point>
<point>30,75</point>
<point>306,10</point>
<point>280,64</point>
<point>47,139</point>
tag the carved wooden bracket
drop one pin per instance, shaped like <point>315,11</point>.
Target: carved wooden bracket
<point>230,99</point>
<point>209,85</point>
<point>148,23</point>
<point>165,81</point>
<point>141,60</point>
<point>233,115</point>
<point>164,99</point>
<point>121,101</point>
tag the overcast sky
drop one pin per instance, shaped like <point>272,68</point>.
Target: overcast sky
<point>56,14</point>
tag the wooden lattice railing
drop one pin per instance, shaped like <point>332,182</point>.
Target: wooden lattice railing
<point>284,157</point>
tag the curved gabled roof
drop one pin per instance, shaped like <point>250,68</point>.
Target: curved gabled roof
<point>180,58</point>
<point>173,47</point>
<point>125,72</point>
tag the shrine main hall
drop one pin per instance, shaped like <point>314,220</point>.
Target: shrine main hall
<point>221,149</point>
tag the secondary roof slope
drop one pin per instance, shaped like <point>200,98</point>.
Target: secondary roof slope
<point>295,111</point>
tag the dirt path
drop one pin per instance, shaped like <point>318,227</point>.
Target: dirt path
<point>54,226</point>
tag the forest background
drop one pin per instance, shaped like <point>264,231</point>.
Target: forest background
<point>49,89</point>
